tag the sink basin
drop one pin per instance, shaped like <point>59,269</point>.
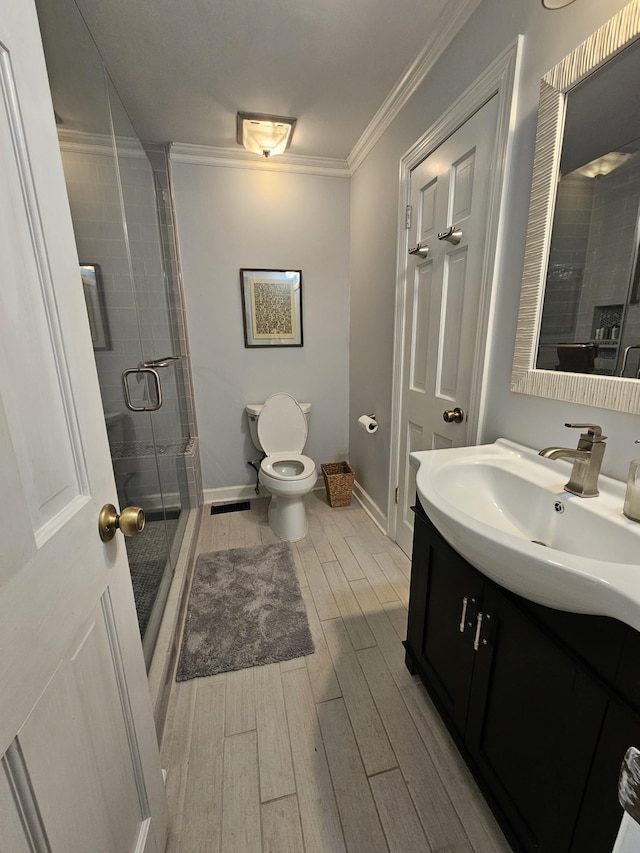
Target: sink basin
<point>504,509</point>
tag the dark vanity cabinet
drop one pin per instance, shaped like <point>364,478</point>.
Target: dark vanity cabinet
<point>530,695</point>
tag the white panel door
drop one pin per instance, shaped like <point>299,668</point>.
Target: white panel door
<point>449,189</point>
<point>79,765</point>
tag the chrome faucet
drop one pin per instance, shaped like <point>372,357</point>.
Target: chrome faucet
<point>587,459</point>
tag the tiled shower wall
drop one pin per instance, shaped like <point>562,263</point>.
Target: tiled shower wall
<point>144,322</point>
<point>591,260</point>
<point>566,266</point>
<point>610,253</point>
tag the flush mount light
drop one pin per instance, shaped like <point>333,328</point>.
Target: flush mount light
<point>264,134</point>
<point>603,165</point>
<point>556,4</point>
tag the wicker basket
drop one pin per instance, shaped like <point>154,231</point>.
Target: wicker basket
<point>338,481</point>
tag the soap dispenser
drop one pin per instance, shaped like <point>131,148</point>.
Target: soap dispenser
<point>632,497</point>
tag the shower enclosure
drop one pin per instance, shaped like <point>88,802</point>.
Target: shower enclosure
<point>122,215</point>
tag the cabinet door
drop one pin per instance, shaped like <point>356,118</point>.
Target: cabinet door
<point>444,589</point>
<point>601,812</point>
<point>534,718</point>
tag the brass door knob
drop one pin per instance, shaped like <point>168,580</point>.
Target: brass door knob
<point>453,416</point>
<point>130,521</point>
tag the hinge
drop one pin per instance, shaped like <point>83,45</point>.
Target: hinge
<point>407,217</point>
<point>397,490</point>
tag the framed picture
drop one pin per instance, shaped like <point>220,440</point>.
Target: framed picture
<point>96,308</point>
<point>272,307</point>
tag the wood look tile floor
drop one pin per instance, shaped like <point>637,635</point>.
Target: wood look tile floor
<point>338,751</point>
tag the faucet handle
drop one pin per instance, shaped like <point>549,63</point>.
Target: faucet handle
<point>593,430</point>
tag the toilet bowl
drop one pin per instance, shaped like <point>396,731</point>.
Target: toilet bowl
<point>279,428</point>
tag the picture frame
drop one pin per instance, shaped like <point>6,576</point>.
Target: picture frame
<point>271,307</point>
<point>96,307</point>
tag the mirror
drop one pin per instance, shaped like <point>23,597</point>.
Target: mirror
<point>578,335</point>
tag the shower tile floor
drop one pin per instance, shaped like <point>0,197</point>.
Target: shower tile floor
<point>148,554</point>
<point>338,751</point>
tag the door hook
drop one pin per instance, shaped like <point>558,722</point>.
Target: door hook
<point>420,250</point>
<point>451,235</point>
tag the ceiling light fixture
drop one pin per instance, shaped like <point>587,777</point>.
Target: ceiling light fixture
<point>556,4</point>
<point>264,134</point>
<point>603,165</point>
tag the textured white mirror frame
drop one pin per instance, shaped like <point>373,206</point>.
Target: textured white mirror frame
<point>610,392</point>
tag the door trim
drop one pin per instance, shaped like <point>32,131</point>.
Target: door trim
<point>498,80</point>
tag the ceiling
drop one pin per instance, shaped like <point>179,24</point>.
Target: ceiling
<point>184,68</point>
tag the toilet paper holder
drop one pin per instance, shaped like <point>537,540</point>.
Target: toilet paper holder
<point>368,423</point>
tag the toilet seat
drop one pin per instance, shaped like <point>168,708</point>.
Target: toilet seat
<point>308,466</point>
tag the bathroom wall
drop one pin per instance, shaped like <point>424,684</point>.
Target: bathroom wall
<point>374,216</point>
<point>233,217</point>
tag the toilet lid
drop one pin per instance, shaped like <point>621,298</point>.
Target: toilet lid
<point>282,427</point>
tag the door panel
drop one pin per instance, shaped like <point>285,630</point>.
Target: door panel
<point>448,189</point>
<point>80,766</point>
<point>450,345</point>
<point>421,312</point>
<point>462,189</point>
<point>48,454</point>
<point>427,210</point>
<point>93,745</point>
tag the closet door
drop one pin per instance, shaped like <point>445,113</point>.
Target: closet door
<point>449,200</point>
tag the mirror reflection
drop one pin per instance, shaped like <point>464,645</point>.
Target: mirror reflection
<point>591,312</point>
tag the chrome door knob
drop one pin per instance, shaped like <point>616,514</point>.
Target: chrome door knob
<point>453,416</point>
<point>130,521</point>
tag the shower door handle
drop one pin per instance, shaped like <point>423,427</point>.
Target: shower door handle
<point>162,362</point>
<point>127,396</point>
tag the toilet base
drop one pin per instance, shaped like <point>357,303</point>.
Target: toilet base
<point>288,517</point>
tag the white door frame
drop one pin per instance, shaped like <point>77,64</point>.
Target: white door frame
<point>498,80</point>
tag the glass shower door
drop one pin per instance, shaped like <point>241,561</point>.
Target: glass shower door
<point>155,438</point>
<point>112,195</point>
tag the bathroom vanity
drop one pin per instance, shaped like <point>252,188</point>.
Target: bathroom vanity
<point>542,703</point>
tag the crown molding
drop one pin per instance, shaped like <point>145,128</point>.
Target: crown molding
<point>448,25</point>
<point>81,142</point>
<point>205,155</point>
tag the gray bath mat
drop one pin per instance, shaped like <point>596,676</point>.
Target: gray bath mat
<point>245,609</point>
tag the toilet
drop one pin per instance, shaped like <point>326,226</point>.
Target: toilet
<point>279,429</point>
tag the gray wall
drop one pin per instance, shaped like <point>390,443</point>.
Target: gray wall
<point>374,192</point>
<point>228,218</point>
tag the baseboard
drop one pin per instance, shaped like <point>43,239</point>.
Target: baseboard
<point>226,494</point>
<point>372,509</point>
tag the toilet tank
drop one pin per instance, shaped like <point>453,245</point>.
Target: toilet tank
<point>253,411</point>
